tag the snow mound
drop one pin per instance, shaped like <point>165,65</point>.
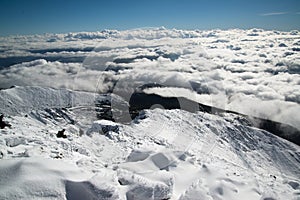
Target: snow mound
<point>103,127</point>
<point>35,178</point>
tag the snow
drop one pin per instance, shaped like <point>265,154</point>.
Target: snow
<point>82,85</point>
<point>162,154</point>
<point>35,178</point>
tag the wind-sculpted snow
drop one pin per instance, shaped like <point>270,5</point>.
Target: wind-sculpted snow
<point>161,154</point>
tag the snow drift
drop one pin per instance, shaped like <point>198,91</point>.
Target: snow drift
<point>161,154</point>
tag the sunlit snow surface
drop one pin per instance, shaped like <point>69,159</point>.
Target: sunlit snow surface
<point>162,154</point>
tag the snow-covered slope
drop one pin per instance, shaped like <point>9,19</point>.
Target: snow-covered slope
<point>161,154</point>
<point>67,130</point>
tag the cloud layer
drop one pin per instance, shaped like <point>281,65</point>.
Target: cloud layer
<point>253,71</point>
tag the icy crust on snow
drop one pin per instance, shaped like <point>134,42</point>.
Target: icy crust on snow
<point>161,154</point>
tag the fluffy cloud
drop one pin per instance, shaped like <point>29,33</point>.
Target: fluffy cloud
<point>54,74</point>
<point>255,72</point>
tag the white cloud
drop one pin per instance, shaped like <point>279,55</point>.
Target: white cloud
<point>54,74</point>
<point>256,73</point>
<point>273,13</point>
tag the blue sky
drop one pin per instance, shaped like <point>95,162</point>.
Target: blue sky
<point>60,16</point>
